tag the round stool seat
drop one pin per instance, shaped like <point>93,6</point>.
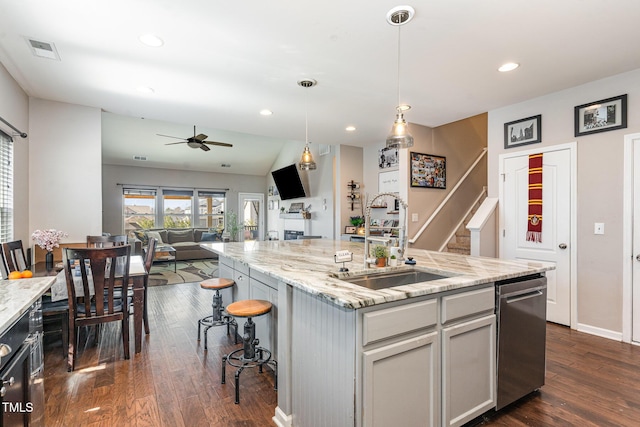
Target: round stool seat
<point>249,308</point>
<point>217,283</point>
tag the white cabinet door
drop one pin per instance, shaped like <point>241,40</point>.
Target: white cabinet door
<point>258,290</point>
<point>401,383</point>
<point>468,370</point>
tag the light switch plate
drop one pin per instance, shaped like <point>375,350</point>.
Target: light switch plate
<point>414,217</point>
<point>598,228</point>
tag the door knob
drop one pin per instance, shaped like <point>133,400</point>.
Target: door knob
<point>562,246</point>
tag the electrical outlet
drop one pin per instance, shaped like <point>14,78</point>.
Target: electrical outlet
<point>414,217</point>
<point>598,228</point>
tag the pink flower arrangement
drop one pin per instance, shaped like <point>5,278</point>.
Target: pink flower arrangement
<point>48,239</point>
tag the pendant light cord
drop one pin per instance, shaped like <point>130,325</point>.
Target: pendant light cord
<point>398,105</point>
<point>306,119</point>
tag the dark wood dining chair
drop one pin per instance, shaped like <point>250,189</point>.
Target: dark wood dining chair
<point>109,268</point>
<point>148,260</point>
<point>106,241</point>
<point>53,312</point>
<point>14,256</point>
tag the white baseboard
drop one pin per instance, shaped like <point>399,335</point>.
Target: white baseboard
<point>281,419</point>
<point>604,333</point>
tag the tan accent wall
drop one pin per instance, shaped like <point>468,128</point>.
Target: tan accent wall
<point>461,143</point>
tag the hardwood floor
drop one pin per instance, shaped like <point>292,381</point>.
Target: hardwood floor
<point>590,381</point>
<point>173,382</point>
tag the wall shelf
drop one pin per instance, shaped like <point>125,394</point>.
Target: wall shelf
<point>297,215</point>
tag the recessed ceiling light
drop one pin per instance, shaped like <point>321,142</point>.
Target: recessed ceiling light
<point>350,128</point>
<point>404,107</point>
<point>145,89</point>
<point>266,112</point>
<point>509,66</point>
<point>151,40</point>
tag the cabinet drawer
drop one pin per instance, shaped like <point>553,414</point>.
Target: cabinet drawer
<point>388,322</point>
<point>242,268</point>
<point>458,306</point>
<point>263,278</point>
<point>225,261</point>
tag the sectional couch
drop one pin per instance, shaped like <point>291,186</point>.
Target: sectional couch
<point>186,241</point>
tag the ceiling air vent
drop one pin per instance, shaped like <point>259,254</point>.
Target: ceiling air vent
<point>324,149</point>
<point>44,49</point>
<point>140,158</point>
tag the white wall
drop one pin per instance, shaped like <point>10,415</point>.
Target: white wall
<point>65,190</point>
<point>14,108</point>
<point>113,175</point>
<point>319,185</point>
<point>599,188</point>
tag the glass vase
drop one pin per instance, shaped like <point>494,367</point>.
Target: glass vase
<point>49,260</point>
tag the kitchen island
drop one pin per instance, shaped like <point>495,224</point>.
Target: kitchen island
<point>16,296</point>
<point>416,354</point>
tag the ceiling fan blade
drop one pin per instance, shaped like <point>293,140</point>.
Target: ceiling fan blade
<point>168,136</point>
<point>201,137</point>
<point>204,147</point>
<point>221,144</point>
<point>174,143</point>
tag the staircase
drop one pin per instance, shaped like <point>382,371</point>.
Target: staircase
<point>460,243</point>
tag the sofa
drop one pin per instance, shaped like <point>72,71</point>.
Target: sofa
<point>186,241</point>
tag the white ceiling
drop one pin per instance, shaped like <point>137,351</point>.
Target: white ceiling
<point>223,62</point>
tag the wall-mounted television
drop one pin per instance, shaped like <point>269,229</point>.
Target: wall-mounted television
<point>288,183</point>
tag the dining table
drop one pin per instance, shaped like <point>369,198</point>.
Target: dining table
<point>137,276</point>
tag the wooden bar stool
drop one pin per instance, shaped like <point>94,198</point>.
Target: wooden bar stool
<point>250,355</point>
<point>218,316</point>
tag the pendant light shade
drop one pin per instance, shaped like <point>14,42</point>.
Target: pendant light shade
<point>399,137</point>
<point>306,161</point>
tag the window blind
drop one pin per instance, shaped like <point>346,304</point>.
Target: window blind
<point>6,188</point>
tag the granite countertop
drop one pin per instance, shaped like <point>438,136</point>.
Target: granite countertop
<point>16,296</point>
<point>309,265</point>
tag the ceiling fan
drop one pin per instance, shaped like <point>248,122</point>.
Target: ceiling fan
<point>196,141</point>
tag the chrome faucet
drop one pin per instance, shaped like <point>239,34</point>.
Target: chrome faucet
<point>402,230</point>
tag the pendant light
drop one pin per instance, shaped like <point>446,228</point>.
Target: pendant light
<point>306,161</point>
<point>399,137</point>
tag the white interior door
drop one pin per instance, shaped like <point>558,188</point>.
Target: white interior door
<point>636,242</point>
<point>251,216</point>
<point>556,245</point>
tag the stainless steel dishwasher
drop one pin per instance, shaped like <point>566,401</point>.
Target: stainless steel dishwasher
<point>521,308</point>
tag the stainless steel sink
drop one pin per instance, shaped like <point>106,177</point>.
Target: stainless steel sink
<point>392,279</point>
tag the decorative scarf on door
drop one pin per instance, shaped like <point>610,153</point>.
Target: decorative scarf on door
<point>534,220</point>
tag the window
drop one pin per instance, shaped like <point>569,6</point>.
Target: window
<point>145,208</point>
<point>139,207</point>
<point>177,208</point>
<point>210,209</point>
<point>6,187</point>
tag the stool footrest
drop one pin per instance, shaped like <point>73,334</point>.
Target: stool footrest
<point>237,359</point>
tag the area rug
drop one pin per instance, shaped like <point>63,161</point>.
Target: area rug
<point>186,271</point>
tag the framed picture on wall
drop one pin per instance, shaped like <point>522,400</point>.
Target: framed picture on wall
<point>428,171</point>
<point>523,131</point>
<point>387,158</point>
<point>601,116</point>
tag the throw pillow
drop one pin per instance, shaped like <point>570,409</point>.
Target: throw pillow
<point>209,237</point>
<point>176,236</point>
<point>142,236</point>
<point>155,235</point>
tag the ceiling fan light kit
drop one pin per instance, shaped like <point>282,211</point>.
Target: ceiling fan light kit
<point>306,161</point>
<point>399,137</point>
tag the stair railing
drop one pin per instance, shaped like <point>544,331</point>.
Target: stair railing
<point>461,222</point>
<point>446,199</point>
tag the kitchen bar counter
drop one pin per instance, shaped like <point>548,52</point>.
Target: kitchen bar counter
<point>419,354</point>
<point>16,296</point>
<point>308,265</point>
